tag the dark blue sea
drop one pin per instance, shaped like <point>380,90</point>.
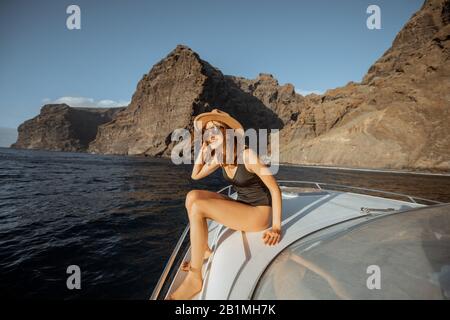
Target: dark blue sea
<point>118,218</point>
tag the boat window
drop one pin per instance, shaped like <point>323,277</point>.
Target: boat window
<point>398,256</point>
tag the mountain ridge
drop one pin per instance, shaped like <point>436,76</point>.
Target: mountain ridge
<point>59,127</point>
<point>395,118</point>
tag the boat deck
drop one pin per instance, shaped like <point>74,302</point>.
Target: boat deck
<point>239,258</point>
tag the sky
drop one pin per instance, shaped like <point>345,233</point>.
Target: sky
<point>314,45</point>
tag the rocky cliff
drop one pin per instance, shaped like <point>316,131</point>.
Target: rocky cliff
<point>396,117</point>
<point>175,90</point>
<point>59,127</point>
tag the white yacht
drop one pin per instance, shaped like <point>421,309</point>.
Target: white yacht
<point>338,242</point>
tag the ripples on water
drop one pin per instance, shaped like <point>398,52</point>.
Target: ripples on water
<point>118,218</point>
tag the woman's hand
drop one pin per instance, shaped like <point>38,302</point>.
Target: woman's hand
<point>204,167</point>
<point>203,149</point>
<point>206,153</point>
<point>272,237</point>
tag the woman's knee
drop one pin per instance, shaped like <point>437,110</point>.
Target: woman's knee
<point>196,211</point>
<point>191,196</point>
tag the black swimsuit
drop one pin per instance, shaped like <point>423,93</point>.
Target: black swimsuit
<point>250,188</point>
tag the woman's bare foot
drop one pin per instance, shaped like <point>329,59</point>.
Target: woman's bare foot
<point>186,264</point>
<point>191,285</point>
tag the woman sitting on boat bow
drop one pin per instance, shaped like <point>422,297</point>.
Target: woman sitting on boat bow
<point>257,207</point>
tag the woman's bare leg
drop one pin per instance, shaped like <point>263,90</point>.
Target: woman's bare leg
<point>234,215</point>
<point>186,264</point>
<point>199,242</point>
<point>194,195</point>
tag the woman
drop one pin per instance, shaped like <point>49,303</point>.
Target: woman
<point>257,207</point>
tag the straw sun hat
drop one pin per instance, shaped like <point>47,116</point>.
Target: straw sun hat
<point>202,119</point>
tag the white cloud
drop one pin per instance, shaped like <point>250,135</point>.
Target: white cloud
<point>83,102</point>
<point>306,92</point>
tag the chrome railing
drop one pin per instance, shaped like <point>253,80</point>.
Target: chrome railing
<point>169,264</point>
<point>329,187</point>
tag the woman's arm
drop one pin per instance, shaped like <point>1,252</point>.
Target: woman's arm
<point>201,167</point>
<point>255,165</point>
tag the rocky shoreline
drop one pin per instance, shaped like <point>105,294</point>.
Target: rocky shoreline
<point>396,118</point>
<point>59,127</point>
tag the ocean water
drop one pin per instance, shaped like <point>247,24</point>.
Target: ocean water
<point>118,218</point>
